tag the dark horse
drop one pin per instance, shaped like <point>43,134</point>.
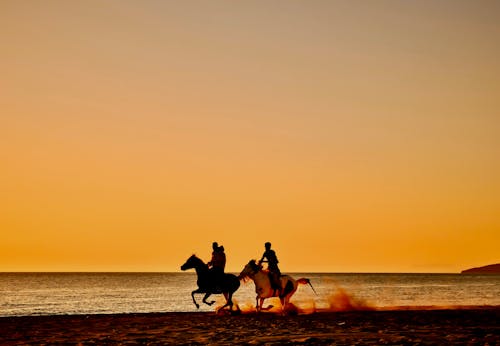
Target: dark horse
<point>228,285</point>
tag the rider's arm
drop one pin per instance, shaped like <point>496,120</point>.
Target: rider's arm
<point>262,259</point>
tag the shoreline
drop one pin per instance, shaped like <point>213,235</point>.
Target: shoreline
<point>422,326</point>
<point>293,310</point>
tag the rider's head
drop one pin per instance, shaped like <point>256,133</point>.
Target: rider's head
<point>267,245</point>
<point>215,246</point>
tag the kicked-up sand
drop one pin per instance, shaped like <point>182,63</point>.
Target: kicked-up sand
<point>472,326</point>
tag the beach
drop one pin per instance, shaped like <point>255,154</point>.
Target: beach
<point>469,326</point>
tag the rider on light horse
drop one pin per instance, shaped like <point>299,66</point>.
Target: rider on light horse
<point>272,266</point>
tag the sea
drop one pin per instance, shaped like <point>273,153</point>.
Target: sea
<point>27,294</point>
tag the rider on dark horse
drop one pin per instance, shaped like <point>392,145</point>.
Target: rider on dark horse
<point>217,265</point>
<point>272,266</point>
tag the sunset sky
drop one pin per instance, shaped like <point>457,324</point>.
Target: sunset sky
<point>356,136</point>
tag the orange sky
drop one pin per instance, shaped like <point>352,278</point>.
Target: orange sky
<point>355,136</point>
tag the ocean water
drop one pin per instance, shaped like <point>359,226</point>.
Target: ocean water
<point>103,293</point>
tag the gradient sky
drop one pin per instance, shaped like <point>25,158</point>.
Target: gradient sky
<point>353,135</point>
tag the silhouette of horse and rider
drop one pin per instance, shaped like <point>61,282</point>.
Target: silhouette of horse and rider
<point>211,277</point>
<point>268,283</point>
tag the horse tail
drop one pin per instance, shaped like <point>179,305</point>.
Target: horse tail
<point>305,281</point>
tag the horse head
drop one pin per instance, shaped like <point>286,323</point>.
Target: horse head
<point>192,262</point>
<point>250,269</point>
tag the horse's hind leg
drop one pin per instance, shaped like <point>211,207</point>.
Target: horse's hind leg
<point>288,292</point>
<point>205,299</point>
<point>228,302</point>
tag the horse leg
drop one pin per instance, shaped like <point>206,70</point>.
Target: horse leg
<point>205,299</point>
<point>229,301</point>
<point>261,305</point>
<point>223,306</point>
<point>194,300</point>
<point>287,294</point>
<point>283,301</point>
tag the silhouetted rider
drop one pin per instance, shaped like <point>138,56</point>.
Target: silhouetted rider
<point>272,266</point>
<point>217,265</point>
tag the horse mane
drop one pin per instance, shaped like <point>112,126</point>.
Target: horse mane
<point>254,265</point>
<point>196,258</point>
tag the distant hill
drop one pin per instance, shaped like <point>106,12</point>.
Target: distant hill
<point>489,269</point>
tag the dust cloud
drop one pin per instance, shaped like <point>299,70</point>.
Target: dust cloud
<point>339,301</point>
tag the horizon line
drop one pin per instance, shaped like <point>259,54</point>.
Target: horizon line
<point>229,272</point>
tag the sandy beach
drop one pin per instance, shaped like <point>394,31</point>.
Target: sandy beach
<point>397,327</point>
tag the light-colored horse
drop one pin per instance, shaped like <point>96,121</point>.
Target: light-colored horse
<point>263,286</point>
<point>228,285</point>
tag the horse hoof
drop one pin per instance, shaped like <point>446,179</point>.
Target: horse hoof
<point>235,312</point>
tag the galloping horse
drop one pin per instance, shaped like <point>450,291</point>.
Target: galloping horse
<point>263,286</point>
<point>229,284</point>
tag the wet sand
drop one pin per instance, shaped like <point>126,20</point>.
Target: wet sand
<point>477,326</point>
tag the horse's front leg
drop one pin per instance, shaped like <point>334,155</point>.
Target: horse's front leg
<point>194,300</point>
<point>205,299</point>
<point>261,303</point>
<point>283,305</point>
<point>262,308</point>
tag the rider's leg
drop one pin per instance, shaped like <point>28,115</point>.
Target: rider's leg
<point>218,276</point>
